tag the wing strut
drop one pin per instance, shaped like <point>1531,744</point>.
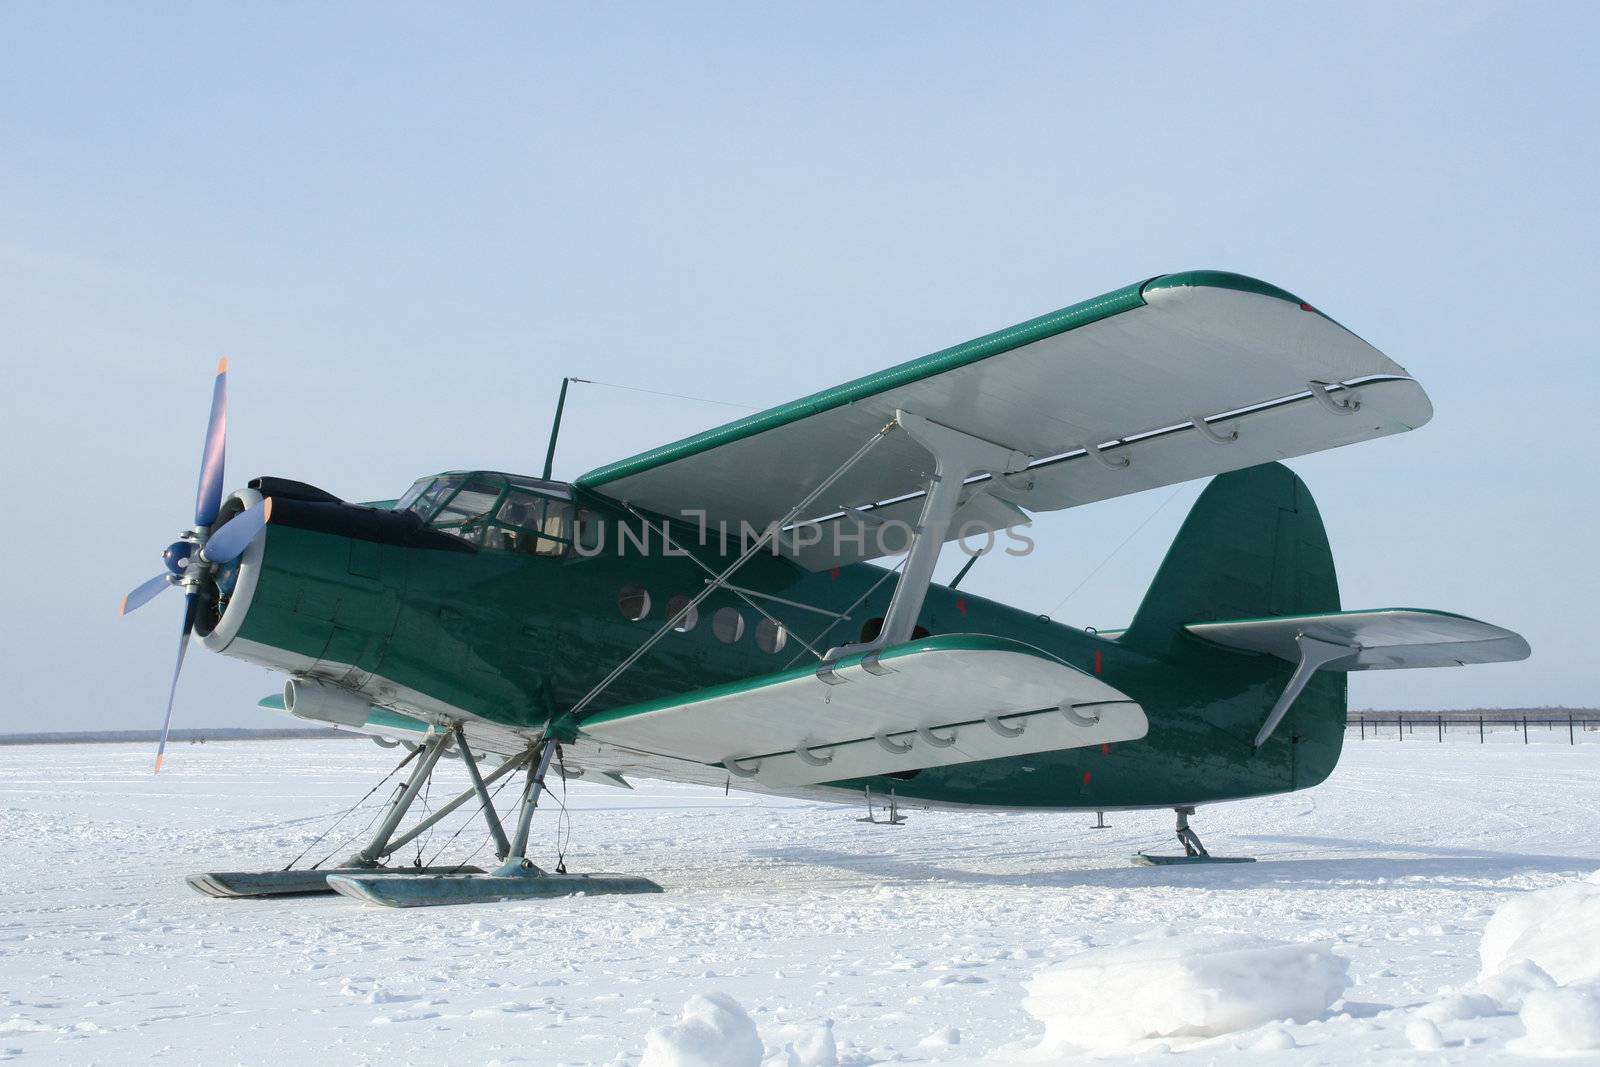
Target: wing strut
<point>1314,655</point>
<point>957,457</point>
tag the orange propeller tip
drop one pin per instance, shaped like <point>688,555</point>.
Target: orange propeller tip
<point>158,765</point>
<point>222,365</point>
<point>266,510</point>
<point>122,606</point>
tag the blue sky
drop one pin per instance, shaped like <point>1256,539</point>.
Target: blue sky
<point>403,224</point>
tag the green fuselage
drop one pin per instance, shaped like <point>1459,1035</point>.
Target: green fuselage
<point>516,639</point>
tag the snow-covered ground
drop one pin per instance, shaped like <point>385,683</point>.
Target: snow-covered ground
<point>955,938</point>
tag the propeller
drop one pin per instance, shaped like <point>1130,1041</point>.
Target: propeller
<point>195,557</point>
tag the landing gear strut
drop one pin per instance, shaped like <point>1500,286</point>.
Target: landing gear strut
<point>1193,850</point>
<point>894,816</point>
<point>1187,837</point>
<point>516,879</point>
<point>363,877</point>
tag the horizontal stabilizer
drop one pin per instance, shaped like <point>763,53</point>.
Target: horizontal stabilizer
<point>943,700</point>
<point>1377,640</point>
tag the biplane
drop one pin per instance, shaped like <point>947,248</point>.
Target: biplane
<point>708,611</point>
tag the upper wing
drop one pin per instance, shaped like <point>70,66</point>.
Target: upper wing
<point>1181,377</point>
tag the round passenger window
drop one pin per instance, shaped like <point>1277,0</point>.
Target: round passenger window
<point>771,636</point>
<point>633,602</point>
<point>728,625</point>
<point>688,622</point>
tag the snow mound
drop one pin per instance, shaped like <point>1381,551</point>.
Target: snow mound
<point>1458,1006</point>
<point>1511,986</point>
<point>1424,1035</point>
<point>1273,1039</point>
<point>815,1048</point>
<point>1561,1020</point>
<point>711,1031</point>
<point>1557,929</point>
<point>1189,985</point>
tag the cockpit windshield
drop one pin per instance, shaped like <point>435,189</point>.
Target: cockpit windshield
<point>499,511</point>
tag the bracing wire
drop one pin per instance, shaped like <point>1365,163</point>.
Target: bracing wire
<point>672,543</point>
<point>844,616</point>
<point>377,811</point>
<point>468,822</point>
<point>694,602</point>
<point>407,758</point>
<point>1123,544</point>
<point>427,809</point>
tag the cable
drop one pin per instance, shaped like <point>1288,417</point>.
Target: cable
<point>847,612</point>
<point>1101,565</point>
<point>427,809</point>
<point>711,587</point>
<point>342,845</point>
<point>466,823</point>
<point>674,396</point>
<point>565,818</point>
<point>407,758</point>
<point>666,535</point>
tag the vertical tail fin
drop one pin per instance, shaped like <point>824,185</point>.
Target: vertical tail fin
<point>1252,546</point>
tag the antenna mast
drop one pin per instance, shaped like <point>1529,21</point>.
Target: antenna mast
<point>555,427</point>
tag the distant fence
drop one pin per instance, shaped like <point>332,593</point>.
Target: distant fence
<point>1438,725</point>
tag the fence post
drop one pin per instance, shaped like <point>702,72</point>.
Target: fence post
<point>1571,740</point>
<point>1361,721</point>
<point>1400,724</point>
<point>1480,729</point>
<point>1441,729</point>
<point>1524,729</point>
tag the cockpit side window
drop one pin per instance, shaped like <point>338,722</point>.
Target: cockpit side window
<point>520,510</point>
<point>530,523</point>
<point>511,529</point>
<point>555,532</point>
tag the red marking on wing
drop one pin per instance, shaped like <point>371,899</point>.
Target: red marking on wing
<point>961,604</point>
<point>1307,307</point>
<point>834,574</point>
<point>1099,663</point>
<point>1086,777</point>
<point>1105,748</point>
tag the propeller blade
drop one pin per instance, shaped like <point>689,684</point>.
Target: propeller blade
<point>208,498</point>
<point>144,594</point>
<point>189,611</point>
<point>228,543</point>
